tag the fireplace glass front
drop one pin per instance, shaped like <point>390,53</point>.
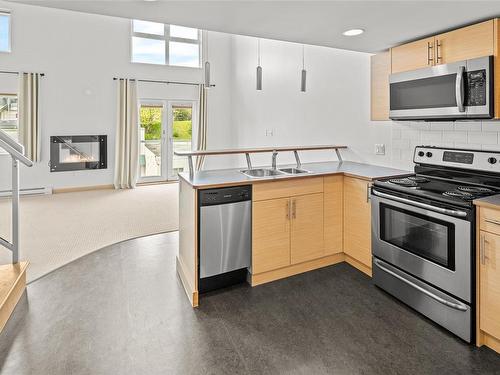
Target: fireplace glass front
<point>78,152</point>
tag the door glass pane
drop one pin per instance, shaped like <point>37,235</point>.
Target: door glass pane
<point>184,54</point>
<point>4,32</point>
<point>150,136</point>
<point>182,135</point>
<point>424,236</point>
<point>151,51</point>
<point>434,92</point>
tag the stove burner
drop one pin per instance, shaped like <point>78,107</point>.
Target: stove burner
<point>460,194</point>
<point>404,182</point>
<point>418,179</point>
<point>475,189</point>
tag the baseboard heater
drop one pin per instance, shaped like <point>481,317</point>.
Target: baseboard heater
<point>27,191</point>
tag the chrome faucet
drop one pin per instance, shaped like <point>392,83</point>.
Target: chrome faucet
<point>273,164</point>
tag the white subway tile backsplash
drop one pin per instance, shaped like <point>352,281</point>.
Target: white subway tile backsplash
<point>468,146</point>
<point>420,125</point>
<point>401,144</point>
<point>431,136</point>
<point>490,126</point>
<point>485,138</point>
<point>396,133</point>
<point>468,125</point>
<point>455,136</point>
<point>410,134</point>
<point>442,125</point>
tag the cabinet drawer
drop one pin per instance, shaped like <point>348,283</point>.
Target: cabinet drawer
<point>489,220</point>
<point>287,188</point>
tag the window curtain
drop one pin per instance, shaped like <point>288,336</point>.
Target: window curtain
<point>201,142</point>
<point>127,135</point>
<point>29,114</point>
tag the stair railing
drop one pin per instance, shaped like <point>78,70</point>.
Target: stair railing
<point>16,152</point>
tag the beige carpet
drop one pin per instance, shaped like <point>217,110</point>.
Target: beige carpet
<point>57,229</point>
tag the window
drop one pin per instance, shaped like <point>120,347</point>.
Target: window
<point>9,116</point>
<point>157,43</point>
<point>4,31</point>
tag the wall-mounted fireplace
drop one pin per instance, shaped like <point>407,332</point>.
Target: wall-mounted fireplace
<point>78,152</point>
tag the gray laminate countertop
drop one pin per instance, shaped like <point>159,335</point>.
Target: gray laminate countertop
<point>492,201</point>
<point>229,177</point>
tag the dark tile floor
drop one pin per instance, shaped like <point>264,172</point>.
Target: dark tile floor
<point>122,310</point>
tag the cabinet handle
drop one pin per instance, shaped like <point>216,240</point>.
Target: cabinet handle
<point>429,53</point>
<point>438,58</point>
<point>481,249</point>
<point>368,195</point>
<point>288,209</point>
<point>492,221</point>
<point>294,209</point>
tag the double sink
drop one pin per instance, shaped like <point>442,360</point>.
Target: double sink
<point>263,172</point>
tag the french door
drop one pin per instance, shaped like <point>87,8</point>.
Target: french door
<point>165,127</point>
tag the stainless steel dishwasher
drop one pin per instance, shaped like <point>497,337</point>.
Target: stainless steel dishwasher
<point>225,240</point>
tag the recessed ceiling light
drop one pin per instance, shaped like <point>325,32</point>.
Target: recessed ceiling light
<point>353,32</point>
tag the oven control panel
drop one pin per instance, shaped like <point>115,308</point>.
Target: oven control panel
<point>466,159</point>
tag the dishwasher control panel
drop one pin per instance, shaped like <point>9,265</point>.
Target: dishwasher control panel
<point>231,194</point>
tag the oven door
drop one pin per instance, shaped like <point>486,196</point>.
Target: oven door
<point>429,245</point>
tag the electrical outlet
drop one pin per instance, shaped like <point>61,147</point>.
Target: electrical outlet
<point>269,132</point>
<point>379,149</point>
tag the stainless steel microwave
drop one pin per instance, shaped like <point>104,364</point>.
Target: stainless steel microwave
<point>459,90</point>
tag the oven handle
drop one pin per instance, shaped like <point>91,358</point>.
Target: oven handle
<point>459,89</point>
<point>441,210</point>
<point>453,305</point>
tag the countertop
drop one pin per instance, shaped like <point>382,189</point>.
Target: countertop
<point>229,177</point>
<point>492,201</point>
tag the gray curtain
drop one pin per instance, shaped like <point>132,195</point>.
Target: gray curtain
<point>127,135</point>
<point>29,114</point>
<point>201,142</point>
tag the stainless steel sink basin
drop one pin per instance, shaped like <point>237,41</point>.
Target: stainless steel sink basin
<point>293,171</point>
<point>260,172</point>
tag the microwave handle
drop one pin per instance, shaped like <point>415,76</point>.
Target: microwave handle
<point>459,88</point>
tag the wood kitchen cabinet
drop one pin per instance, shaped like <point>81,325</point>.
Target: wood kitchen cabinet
<point>465,43</point>
<point>488,277</point>
<point>379,76</point>
<point>270,235</point>
<point>357,227</point>
<point>414,55</point>
<point>333,214</point>
<point>307,241</point>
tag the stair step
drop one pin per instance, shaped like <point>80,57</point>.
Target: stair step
<point>12,285</point>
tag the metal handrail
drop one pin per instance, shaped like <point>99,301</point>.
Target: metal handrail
<point>16,152</point>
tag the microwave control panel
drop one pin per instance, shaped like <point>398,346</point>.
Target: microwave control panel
<point>476,88</point>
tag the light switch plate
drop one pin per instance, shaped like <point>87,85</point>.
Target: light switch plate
<point>379,149</point>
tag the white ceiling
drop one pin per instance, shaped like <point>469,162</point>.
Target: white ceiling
<point>387,23</point>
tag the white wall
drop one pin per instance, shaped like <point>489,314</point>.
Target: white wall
<point>333,110</point>
<point>80,54</point>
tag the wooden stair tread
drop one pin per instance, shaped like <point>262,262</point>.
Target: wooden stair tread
<point>12,285</point>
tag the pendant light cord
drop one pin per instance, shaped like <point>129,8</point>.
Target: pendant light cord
<point>303,58</point>
<point>258,51</point>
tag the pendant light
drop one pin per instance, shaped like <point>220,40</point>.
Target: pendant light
<point>207,66</point>
<point>303,74</point>
<point>259,68</point>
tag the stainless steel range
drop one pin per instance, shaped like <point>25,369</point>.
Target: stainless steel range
<point>423,233</point>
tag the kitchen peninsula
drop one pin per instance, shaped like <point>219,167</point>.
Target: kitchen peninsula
<point>303,216</point>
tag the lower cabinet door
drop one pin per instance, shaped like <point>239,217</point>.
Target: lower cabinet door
<point>307,228</point>
<point>270,235</point>
<point>357,220</point>
<point>334,209</point>
<point>489,284</point>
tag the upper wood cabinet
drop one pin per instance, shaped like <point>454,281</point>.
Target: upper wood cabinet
<point>333,214</point>
<point>465,43</point>
<point>307,228</point>
<point>357,219</point>
<point>379,75</point>
<point>411,56</point>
